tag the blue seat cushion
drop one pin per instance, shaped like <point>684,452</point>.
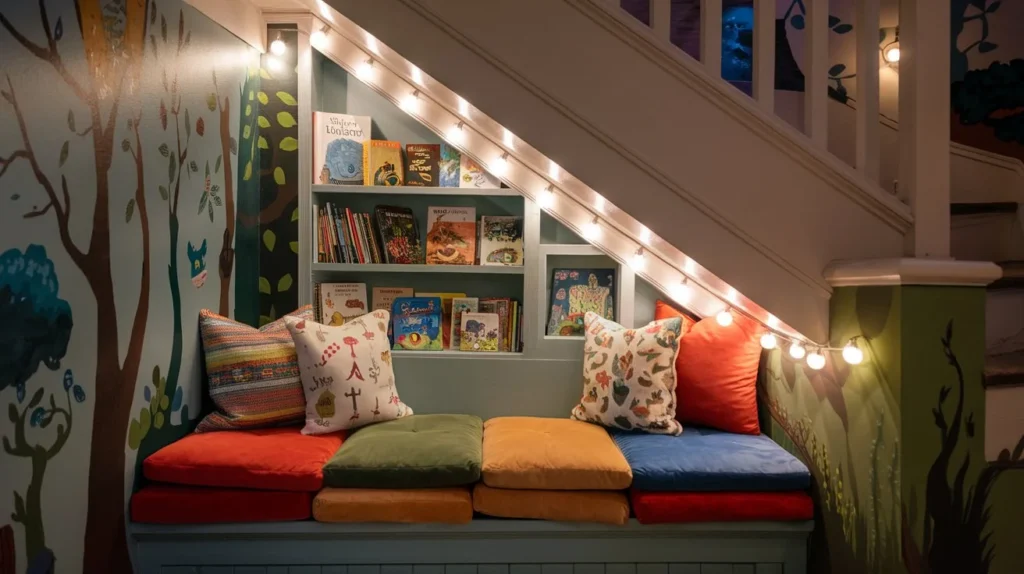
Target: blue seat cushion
<point>703,459</point>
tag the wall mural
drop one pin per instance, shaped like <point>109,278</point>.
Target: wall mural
<point>112,112</point>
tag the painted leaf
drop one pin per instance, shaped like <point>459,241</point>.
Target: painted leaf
<point>69,379</point>
<point>216,164</point>
<point>214,189</point>
<point>234,147</point>
<point>993,6</point>
<point>19,504</point>
<point>202,202</point>
<point>164,150</point>
<point>163,193</point>
<point>165,402</point>
<point>200,127</point>
<point>294,246</point>
<point>207,169</point>
<point>797,21</point>
<point>248,111</point>
<point>289,144</point>
<point>125,145</point>
<point>176,403</point>
<point>147,394</point>
<point>134,435</point>
<point>79,393</point>
<point>284,283</point>
<point>144,420</point>
<point>264,74</point>
<point>295,214</point>
<point>843,29</point>
<point>36,398</point>
<point>188,39</point>
<point>163,28</point>
<point>172,167</point>
<point>209,209</point>
<point>211,101</point>
<point>833,21</point>
<point>129,210</point>
<point>195,167</point>
<point>58,29</point>
<point>262,143</point>
<point>264,288</point>
<point>251,95</point>
<point>279,176</point>
<point>263,122</point>
<point>37,417</point>
<point>15,197</point>
<point>71,120</point>
<point>262,97</point>
<point>217,200</point>
<point>248,171</point>
<point>269,239</point>
<point>63,153</point>
<point>286,99</point>
<point>836,70</point>
<point>188,124</point>
<point>986,47</point>
<point>158,420</point>
<point>163,114</point>
<point>285,119</point>
<point>246,132</point>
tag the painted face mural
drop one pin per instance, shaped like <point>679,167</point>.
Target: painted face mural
<point>197,261</point>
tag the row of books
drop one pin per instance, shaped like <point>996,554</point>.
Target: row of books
<point>344,153</point>
<point>392,236</point>
<point>428,321</point>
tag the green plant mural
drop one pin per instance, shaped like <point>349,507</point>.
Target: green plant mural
<point>796,15</point>
<point>983,10</point>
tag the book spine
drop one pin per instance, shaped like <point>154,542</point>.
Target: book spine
<point>354,232</point>
<point>365,238</point>
<point>377,252</point>
<point>318,248</point>
<point>340,235</point>
<point>367,176</point>
<point>350,250</point>
<point>334,233</point>
<point>381,226</point>
<point>328,251</point>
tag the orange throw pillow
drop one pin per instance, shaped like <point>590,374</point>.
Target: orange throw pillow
<point>716,373</point>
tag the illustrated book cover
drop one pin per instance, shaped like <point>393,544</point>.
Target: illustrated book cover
<point>576,291</point>
<point>461,305</point>
<point>382,163</point>
<point>451,236</point>
<point>338,147</point>
<point>501,240</point>
<point>384,297</point>
<point>446,314</point>
<point>503,308</point>
<point>421,164</point>
<point>448,166</point>
<point>340,302</point>
<point>416,324</point>
<point>399,234</point>
<point>479,332</point>
<point>472,175</point>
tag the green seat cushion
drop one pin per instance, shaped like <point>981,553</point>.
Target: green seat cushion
<point>418,451</point>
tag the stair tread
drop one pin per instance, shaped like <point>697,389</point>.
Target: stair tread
<point>979,208</point>
<point>1006,369</point>
<point>1013,275</point>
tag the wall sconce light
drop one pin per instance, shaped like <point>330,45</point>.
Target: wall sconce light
<point>891,51</point>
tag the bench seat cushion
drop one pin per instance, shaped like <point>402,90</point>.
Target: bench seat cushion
<point>551,454</point>
<point>419,451</point>
<point>174,504</point>
<point>604,506</point>
<point>678,507</point>
<point>268,459</point>
<point>703,459</point>
<point>411,505</point>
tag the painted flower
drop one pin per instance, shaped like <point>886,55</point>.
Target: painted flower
<point>626,365</point>
<point>574,275</point>
<point>69,379</point>
<point>37,416</point>
<point>560,295</point>
<point>603,379</point>
<point>21,392</point>
<point>200,127</point>
<point>79,393</point>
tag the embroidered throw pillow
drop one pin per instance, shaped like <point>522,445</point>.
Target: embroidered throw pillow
<point>629,376</point>
<point>253,373</point>
<point>346,373</point>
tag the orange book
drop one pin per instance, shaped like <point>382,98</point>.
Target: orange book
<point>451,236</point>
<point>382,163</point>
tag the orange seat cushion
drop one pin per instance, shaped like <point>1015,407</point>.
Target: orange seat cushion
<point>411,505</point>
<point>605,506</point>
<point>173,504</point>
<point>551,454</point>
<point>716,373</point>
<point>267,459</point>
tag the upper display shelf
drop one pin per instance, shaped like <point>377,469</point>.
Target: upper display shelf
<point>413,190</point>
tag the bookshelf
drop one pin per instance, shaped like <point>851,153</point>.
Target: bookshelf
<point>417,268</point>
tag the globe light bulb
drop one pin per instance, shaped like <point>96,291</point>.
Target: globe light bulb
<point>769,341</point>
<point>318,39</point>
<point>455,134</point>
<point>499,166</point>
<point>637,261</point>
<point>274,64</point>
<point>508,138</point>
<point>682,292</point>
<point>645,235</point>
<point>410,102</point>
<point>797,351</point>
<point>364,71</point>
<point>724,318</point>
<point>546,198</point>
<point>852,353</point>
<point>591,230</point>
<point>417,75</point>
<point>816,360</point>
<point>278,47</point>
<point>463,107</point>
<point>892,55</point>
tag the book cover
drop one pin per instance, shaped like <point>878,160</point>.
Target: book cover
<point>479,332</point>
<point>503,308</point>
<point>461,305</point>
<point>576,291</point>
<point>384,297</point>
<point>451,236</point>
<point>416,323</point>
<point>382,163</point>
<point>338,147</point>
<point>340,302</point>
<point>448,166</point>
<point>472,175</point>
<point>371,236</point>
<point>501,240</point>
<point>421,164</point>
<point>399,234</point>
<point>446,314</point>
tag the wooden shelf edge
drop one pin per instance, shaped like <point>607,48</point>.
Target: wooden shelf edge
<point>413,190</point>
<point>418,268</point>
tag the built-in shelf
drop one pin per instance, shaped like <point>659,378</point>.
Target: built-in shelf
<point>564,337</point>
<point>393,268</point>
<point>450,354</point>
<point>414,190</point>
<point>570,249</point>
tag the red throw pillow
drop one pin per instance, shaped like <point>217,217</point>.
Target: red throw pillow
<point>716,373</point>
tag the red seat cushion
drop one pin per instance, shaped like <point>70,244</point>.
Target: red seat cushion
<point>172,504</point>
<point>267,459</point>
<point>677,507</point>
<point>716,373</point>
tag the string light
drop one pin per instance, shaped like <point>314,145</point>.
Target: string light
<point>463,107</point>
<point>682,292</point>
<point>546,197</point>
<point>278,47</point>
<point>318,39</point>
<point>797,351</point>
<point>724,317</point>
<point>274,64</point>
<point>417,75</point>
<point>410,102</point>
<point>816,360</point>
<point>637,261</point>
<point>852,353</point>
<point>591,230</point>
<point>769,340</point>
<point>508,138</point>
<point>499,166</point>
<point>599,203</point>
<point>554,172</point>
<point>364,71</point>
<point>645,235</point>
<point>732,295</point>
<point>455,134</point>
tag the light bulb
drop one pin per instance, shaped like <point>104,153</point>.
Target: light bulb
<point>892,54</point>
<point>769,341</point>
<point>499,166</point>
<point>509,139</point>
<point>417,75</point>
<point>463,107</point>
<point>554,171</point>
<point>274,64</point>
<point>410,102</point>
<point>546,198</point>
<point>455,134</point>
<point>591,230</point>
<point>637,261</point>
<point>682,292</point>
<point>645,235</point>
<point>773,321</point>
<point>732,295</point>
<point>371,43</point>
<point>724,318</point>
<point>278,47</point>
<point>816,360</point>
<point>797,351</point>
<point>364,71</point>
<point>318,39</point>
<point>852,353</point>
<point>599,203</point>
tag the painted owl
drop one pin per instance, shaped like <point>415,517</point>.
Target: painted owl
<point>197,261</point>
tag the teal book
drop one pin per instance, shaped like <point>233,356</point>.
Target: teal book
<point>416,324</point>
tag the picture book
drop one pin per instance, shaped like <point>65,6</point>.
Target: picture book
<point>502,308</point>
<point>338,147</point>
<point>399,234</point>
<point>340,302</point>
<point>416,323</point>
<point>472,175</point>
<point>501,240</point>
<point>421,164</point>
<point>448,166</point>
<point>382,163</point>
<point>461,305</point>
<point>446,316</point>
<point>451,236</point>
<point>384,297</point>
<point>479,332</point>
<point>576,291</point>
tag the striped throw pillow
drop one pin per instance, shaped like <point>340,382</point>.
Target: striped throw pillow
<point>253,373</point>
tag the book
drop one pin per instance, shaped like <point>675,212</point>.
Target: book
<point>446,314</point>
<point>503,308</point>
<point>399,234</point>
<point>479,332</point>
<point>338,147</point>
<point>382,163</point>
<point>501,240</point>
<point>576,291</point>
<point>340,302</point>
<point>384,297</point>
<point>461,305</point>
<point>371,236</point>
<point>451,236</point>
<point>448,166</point>
<point>421,164</point>
<point>472,175</point>
<point>416,323</point>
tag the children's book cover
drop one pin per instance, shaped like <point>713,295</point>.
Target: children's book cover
<point>479,332</point>
<point>340,302</point>
<point>384,297</point>
<point>461,305</point>
<point>448,166</point>
<point>501,307</point>
<point>416,323</point>
<point>472,175</point>
<point>382,163</point>
<point>451,236</point>
<point>576,291</point>
<point>501,240</point>
<point>338,147</point>
<point>399,234</point>
<point>446,314</point>
<point>421,164</point>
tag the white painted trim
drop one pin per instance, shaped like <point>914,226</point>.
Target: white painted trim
<point>910,271</point>
<point>239,17</point>
<point>868,143</point>
<point>661,18</point>
<point>816,72</point>
<point>710,36</point>
<point>764,54</point>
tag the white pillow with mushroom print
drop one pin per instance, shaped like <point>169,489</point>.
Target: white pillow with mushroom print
<point>346,373</point>
<point>629,375</point>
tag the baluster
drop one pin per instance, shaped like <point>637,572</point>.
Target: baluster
<point>661,18</point>
<point>711,36</point>
<point>868,142</point>
<point>764,54</point>
<point>816,71</point>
